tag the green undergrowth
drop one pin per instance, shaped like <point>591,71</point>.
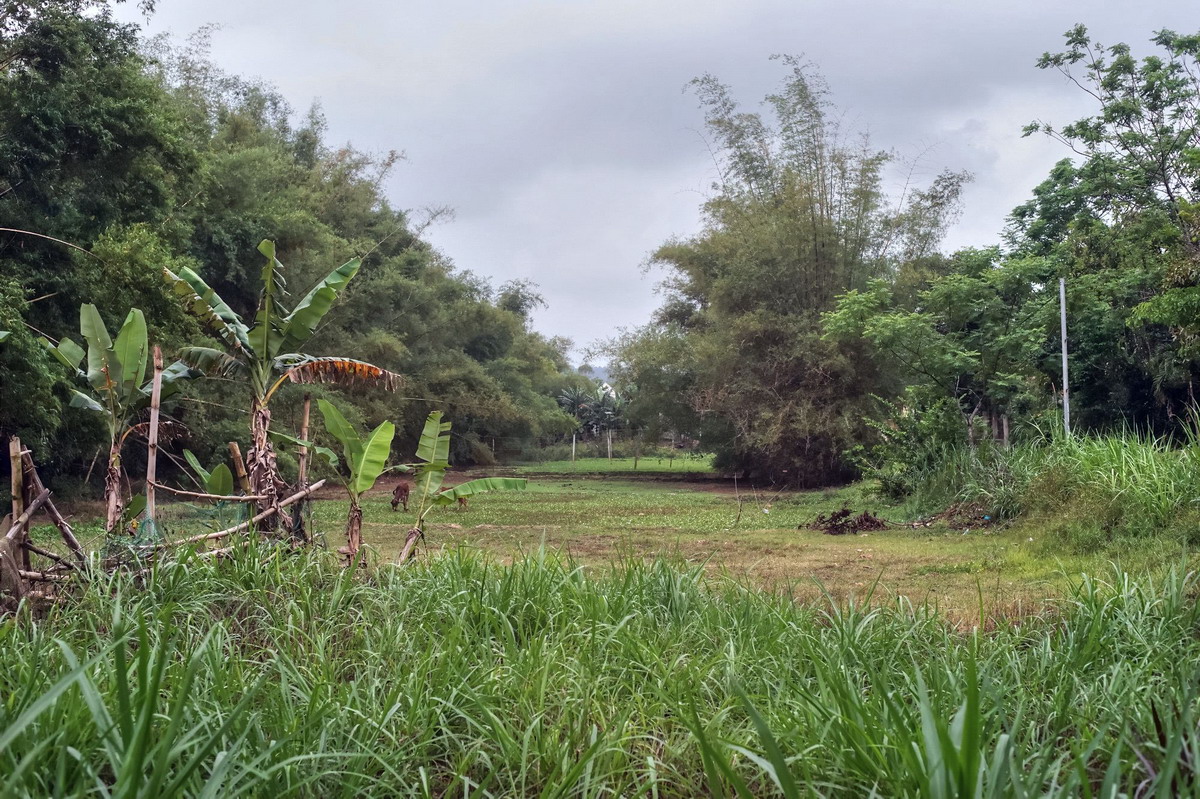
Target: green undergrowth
<point>1113,494</point>
<point>281,675</point>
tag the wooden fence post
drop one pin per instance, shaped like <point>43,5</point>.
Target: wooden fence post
<point>17,485</point>
<point>152,450</point>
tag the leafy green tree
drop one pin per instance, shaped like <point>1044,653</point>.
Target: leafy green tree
<point>797,217</point>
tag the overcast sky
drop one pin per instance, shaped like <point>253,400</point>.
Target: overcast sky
<point>561,134</point>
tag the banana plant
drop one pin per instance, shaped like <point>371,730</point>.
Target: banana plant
<point>433,452</point>
<point>267,353</point>
<point>365,461</point>
<point>218,482</point>
<point>115,377</point>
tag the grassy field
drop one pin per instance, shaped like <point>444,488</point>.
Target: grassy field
<point>684,464</point>
<point>277,674</point>
<point>970,570</point>
<point>761,539</point>
<point>610,637</point>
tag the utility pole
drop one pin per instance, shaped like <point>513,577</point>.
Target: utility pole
<point>1066,389</point>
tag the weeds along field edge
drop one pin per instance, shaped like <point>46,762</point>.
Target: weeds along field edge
<point>1096,493</point>
<point>273,675</point>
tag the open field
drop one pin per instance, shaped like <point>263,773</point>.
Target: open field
<point>683,464</point>
<point>605,636</point>
<point>761,539</point>
<point>967,572</point>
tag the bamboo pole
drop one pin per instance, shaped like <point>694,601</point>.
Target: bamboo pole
<point>19,525</point>
<point>299,495</point>
<point>17,483</point>
<point>239,467</point>
<point>45,553</point>
<point>214,497</point>
<point>152,438</point>
<point>68,535</point>
<point>1066,378</point>
<point>42,577</point>
<point>303,455</point>
<point>298,530</point>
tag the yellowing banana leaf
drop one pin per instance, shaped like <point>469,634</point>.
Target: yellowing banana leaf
<point>307,369</point>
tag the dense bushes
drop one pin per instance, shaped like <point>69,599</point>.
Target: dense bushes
<point>1097,493</point>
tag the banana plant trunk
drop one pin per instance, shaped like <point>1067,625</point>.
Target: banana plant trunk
<point>262,468</point>
<point>353,532</point>
<point>112,489</point>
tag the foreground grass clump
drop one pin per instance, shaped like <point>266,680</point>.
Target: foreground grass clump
<point>274,676</point>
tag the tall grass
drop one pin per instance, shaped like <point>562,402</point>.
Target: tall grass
<point>1098,491</point>
<point>281,675</point>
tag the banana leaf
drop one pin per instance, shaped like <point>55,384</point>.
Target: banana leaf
<point>131,350</point>
<point>300,324</point>
<point>103,368</point>
<point>434,445</point>
<point>479,486</point>
<point>373,458</point>
<point>207,305</point>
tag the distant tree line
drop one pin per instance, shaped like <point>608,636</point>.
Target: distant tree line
<point>814,330</point>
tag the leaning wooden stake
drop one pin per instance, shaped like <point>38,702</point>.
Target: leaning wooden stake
<point>15,532</point>
<point>152,449</point>
<point>298,530</point>
<point>68,535</point>
<point>299,495</point>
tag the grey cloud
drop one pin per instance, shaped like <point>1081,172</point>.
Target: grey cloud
<point>561,134</point>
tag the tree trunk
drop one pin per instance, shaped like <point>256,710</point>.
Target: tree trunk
<point>410,543</point>
<point>262,468</point>
<point>113,503</point>
<point>353,533</point>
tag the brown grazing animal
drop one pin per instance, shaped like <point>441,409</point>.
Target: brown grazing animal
<point>400,495</point>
